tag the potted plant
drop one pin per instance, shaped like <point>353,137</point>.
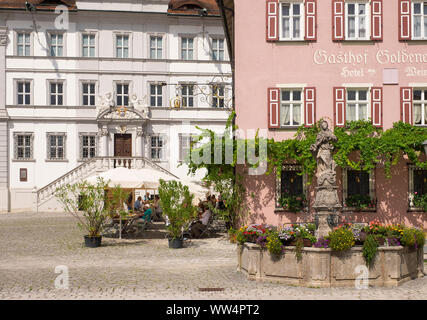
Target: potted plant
<point>176,202</point>
<point>90,200</point>
<point>293,203</point>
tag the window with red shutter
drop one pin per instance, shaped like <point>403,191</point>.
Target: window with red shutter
<point>339,106</point>
<point>377,20</point>
<point>377,106</point>
<point>338,22</point>
<point>404,19</point>
<point>310,20</point>
<point>273,108</point>
<point>272,20</point>
<point>310,106</point>
<point>406,104</point>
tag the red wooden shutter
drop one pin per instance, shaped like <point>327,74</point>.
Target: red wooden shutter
<point>338,16</point>
<point>272,20</point>
<point>309,106</point>
<point>377,19</point>
<point>406,104</point>
<point>339,106</point>
<point>310,20</point>
<point>404,19</point>
<point>273,108</point>
<point>377,106</point>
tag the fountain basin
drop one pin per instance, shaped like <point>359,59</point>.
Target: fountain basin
<point>320,267</point>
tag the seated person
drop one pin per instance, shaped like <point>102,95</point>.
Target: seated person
<point>138,204</point>
<point>146,216</point>
<point>200,225</point>
<point>157,209</point>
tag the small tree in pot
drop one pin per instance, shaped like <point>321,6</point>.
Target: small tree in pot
<point>176,202</point>
<point>90,199</point>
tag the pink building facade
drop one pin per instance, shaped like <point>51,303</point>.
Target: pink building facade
<point>298,61</point>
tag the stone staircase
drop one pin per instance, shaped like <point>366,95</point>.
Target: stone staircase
<point>92,167</point>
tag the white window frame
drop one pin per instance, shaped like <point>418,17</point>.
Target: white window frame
<point>358,102</point>
<point>423,17</point>
<point>156,47</point>
<point>156,95</point>
<point>56,45</point>
<point>217,49</point>
<point>291,19</point>
<point>289,167</point>
<point>49,147</point>
<point>89,46</point>
<point>160,149</point>
<point>116,45</point>
<point>216,98</point>
<point>24,44</point>
<point>188,138</point>
<point>356,15</point>
<point>185,49</point>
<point>83,94</point>
<point>17,81</point>
<point>82,135</point>
<point>185,96</point>
<point>291,103</point>
<point>122,95</point>
<point>372,191</point>
<point>50,93</point>
<point>16,136</point>
<point>423,103</point>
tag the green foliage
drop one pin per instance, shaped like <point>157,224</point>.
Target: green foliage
<point>413,237</point>
<point>176,202</point>
<point>341,239</point>
<point>274,245</point>
<point>360,202</point>
<point>420,201</point>
<point>370,249</point>
<point>293,203</point>
<point>299,244</point>
<point>118,197</point>
<point>88,198</point>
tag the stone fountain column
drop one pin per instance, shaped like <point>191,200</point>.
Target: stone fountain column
<point>326,203</point>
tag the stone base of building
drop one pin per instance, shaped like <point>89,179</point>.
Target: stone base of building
<point>4,200</point>
<point>320,267</point>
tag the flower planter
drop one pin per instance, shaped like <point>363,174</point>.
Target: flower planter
<point>93,242</point>
<point>176,243</point>
<point>306,242</point>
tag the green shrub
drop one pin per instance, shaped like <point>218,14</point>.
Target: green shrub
<point>420,237</point>
<point>408,238</point>
<point>341,239</point>
<point>370,249</point>
<point>274,244</point>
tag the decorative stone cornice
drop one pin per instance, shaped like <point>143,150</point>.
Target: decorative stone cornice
<point>3,36</point>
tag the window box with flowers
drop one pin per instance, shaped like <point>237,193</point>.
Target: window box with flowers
<point>291,190</point>
<point>359,191</point>
<point>417,189</point>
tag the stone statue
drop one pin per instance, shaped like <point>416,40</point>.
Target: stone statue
<point>139,105</point>
<point>106,102</point>
<point>326,202</point>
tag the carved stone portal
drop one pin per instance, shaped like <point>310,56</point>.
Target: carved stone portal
<point>326,202</point>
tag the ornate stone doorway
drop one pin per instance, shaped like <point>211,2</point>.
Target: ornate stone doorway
<point>122,145</point>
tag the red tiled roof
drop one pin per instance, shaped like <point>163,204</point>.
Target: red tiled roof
<point>193,7</point>
<point>39,4</point>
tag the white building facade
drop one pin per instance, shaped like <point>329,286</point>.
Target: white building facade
<point>99,85</point>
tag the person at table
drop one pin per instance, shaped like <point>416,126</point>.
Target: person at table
<point>138,204</point>
<point>146,215</point>
<point>200,225</point>
<point>147,197</point>
<point>129,202</point>
<point>157,208</point>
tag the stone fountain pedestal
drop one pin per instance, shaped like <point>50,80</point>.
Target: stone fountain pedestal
<point>327,209</point>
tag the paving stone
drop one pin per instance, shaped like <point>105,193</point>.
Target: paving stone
<point>32,245</point>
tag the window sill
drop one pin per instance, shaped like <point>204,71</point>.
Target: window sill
<point>289,128</point>
<point>23,160</point>
<point>418,210</point>
<point>350,210</point>
<point>56,160</point>
<point>281,210</point>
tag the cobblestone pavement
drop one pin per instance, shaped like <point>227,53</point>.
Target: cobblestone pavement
<point>32,245</point>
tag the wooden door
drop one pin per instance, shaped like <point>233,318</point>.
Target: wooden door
<point>122,145</point>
